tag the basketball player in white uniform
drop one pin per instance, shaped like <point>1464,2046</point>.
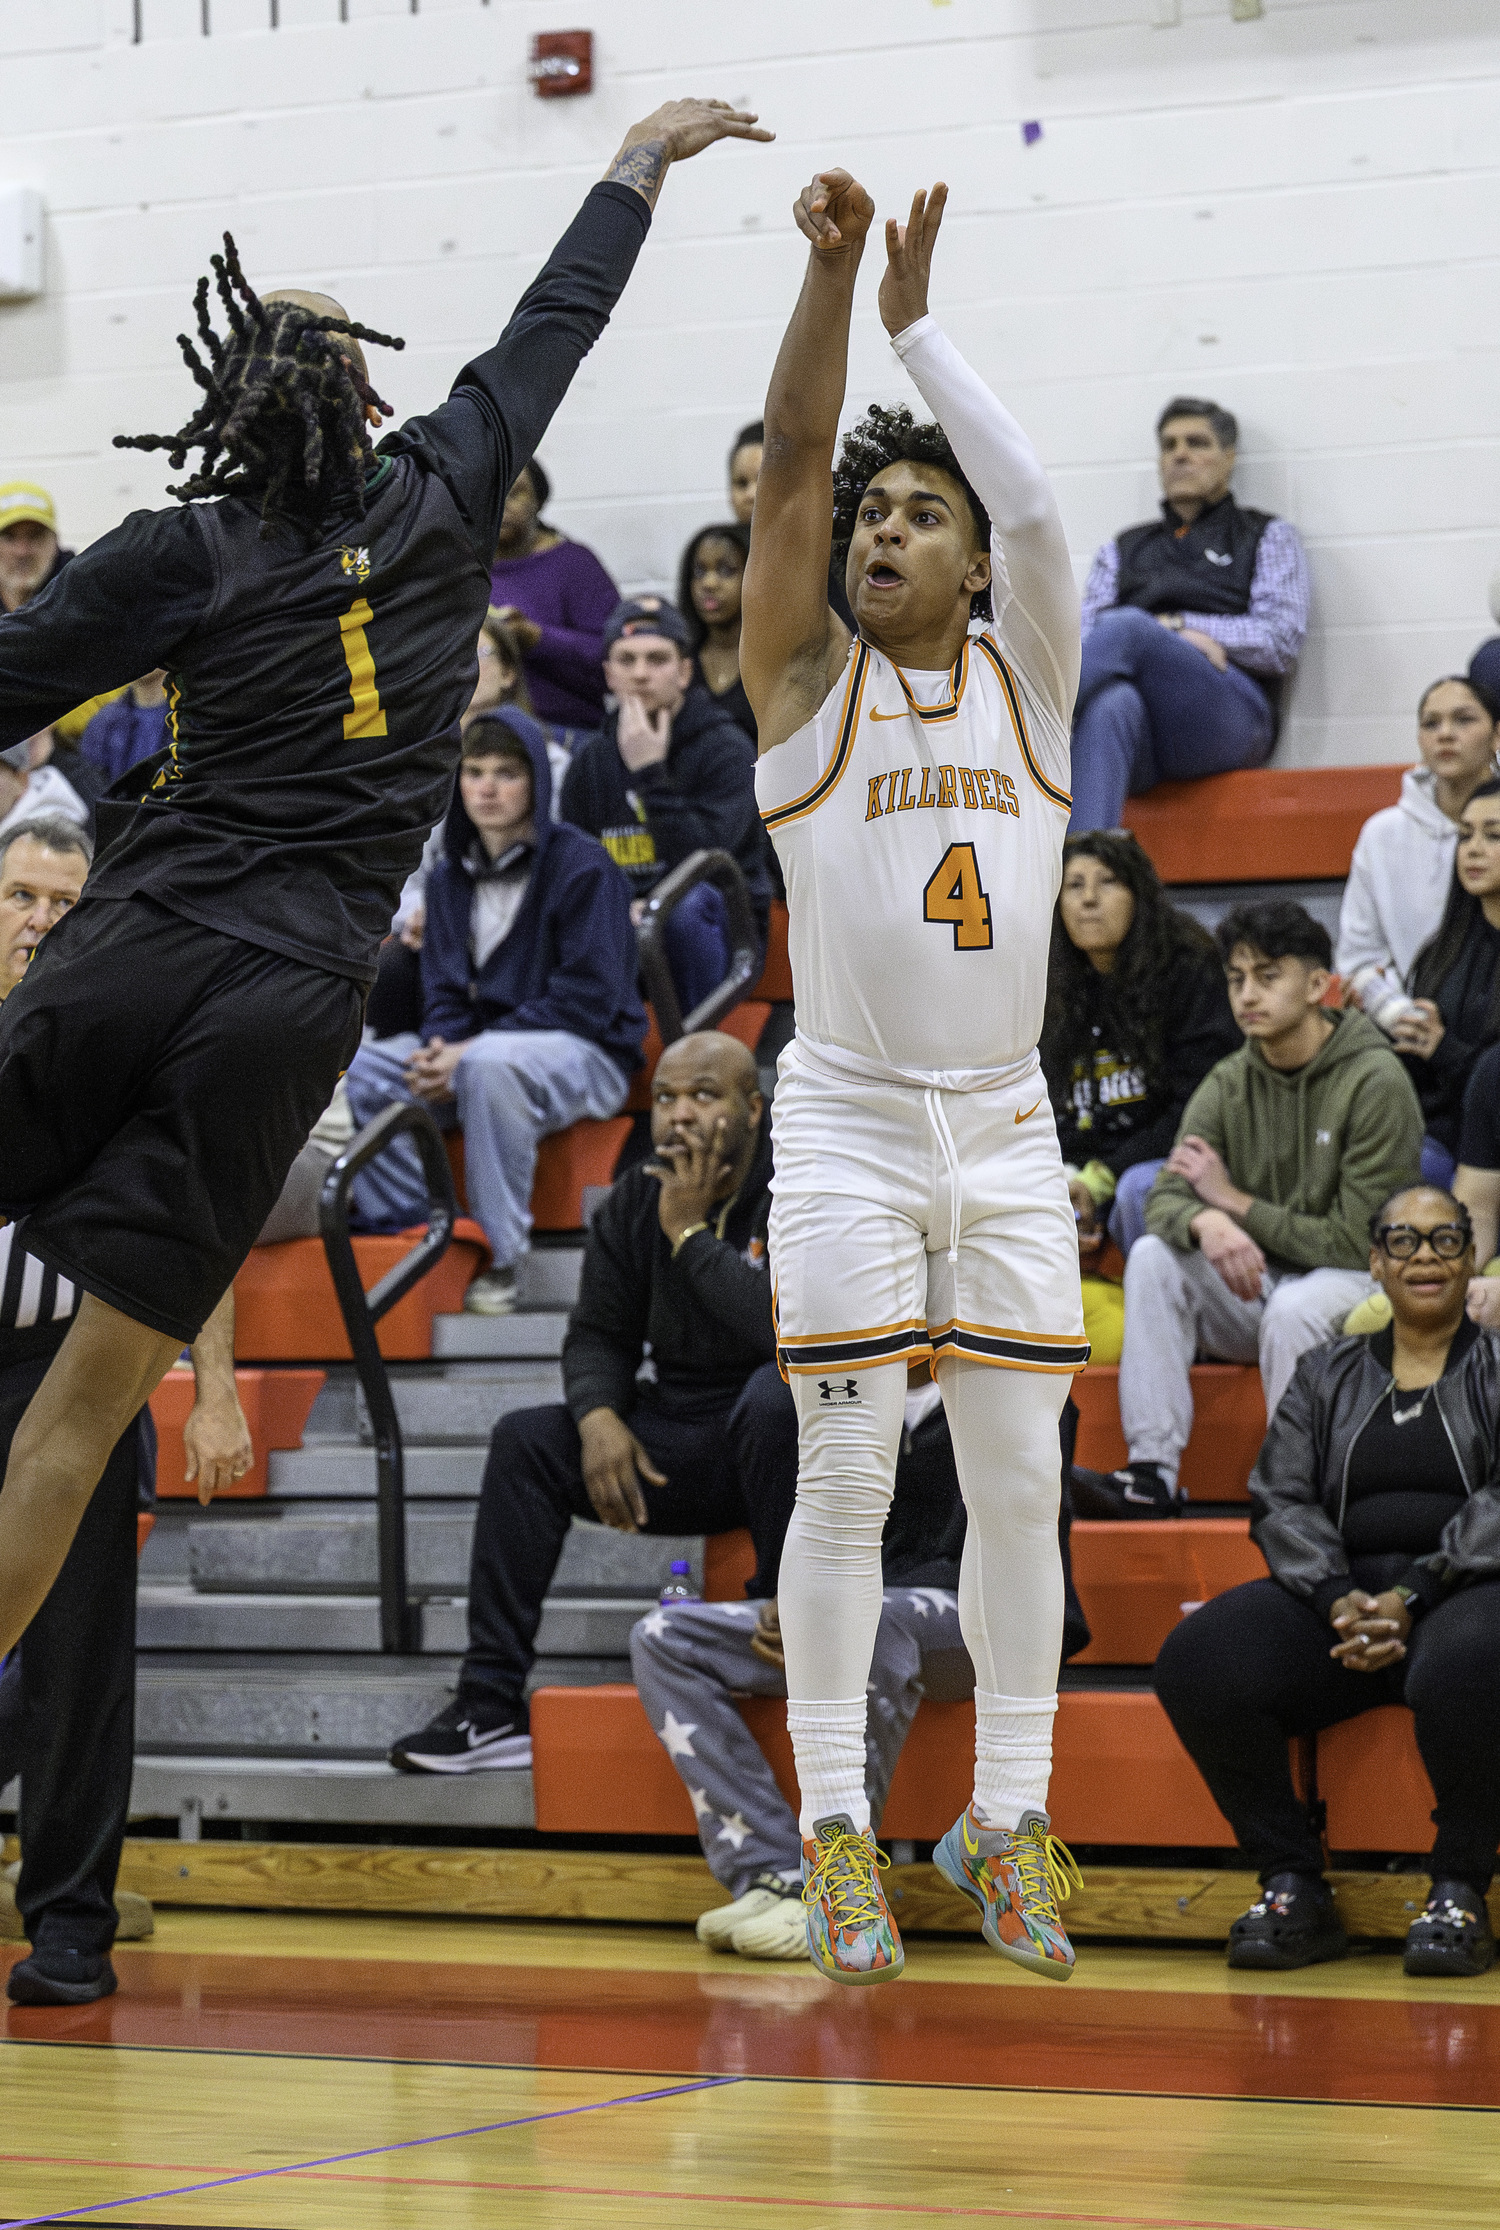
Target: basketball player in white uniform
<point>915,784</point>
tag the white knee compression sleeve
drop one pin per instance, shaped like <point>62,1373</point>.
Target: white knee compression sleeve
<point>830,1591</point>
<point>1010,1594</point>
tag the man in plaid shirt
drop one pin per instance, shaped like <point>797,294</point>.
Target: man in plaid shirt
<point>1191,624</point>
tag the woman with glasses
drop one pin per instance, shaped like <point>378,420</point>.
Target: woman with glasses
<point>1376,1505</point>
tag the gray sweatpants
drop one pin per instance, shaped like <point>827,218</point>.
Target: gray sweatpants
<point>691,1660</point>
<point>1178,1307</point>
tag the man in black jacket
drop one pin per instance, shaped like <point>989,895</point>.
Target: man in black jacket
<point>670,773</point>
<point>675,1419</point>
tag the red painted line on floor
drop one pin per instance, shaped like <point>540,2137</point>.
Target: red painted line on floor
<point>364,2152</point>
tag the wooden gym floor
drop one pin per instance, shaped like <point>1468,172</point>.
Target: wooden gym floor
<point>332,2072</point>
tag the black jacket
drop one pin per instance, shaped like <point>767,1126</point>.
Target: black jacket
<point>700,797</point>
<point>1464,999</point>
<point>1107,1110</point>
<point>1298,1487</point>
<point>705,1317</point>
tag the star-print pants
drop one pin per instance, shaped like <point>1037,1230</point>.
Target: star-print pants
<point>691,1661</point>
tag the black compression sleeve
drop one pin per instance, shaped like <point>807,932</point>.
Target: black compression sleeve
<point>109,617</point>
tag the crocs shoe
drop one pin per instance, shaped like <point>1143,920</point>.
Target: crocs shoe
<point>851,1936</point>
<point>766,1892</point>
<point>1017,1881</point>
<point>1451,1935</point>
<point>1294,1922</point>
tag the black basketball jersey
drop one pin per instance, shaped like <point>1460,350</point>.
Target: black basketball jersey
<point>315,680</point>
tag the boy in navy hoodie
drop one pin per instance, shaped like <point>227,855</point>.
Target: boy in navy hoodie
<point>530,1013</point>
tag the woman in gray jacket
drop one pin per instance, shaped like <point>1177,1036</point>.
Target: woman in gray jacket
<point>1376,1504</point>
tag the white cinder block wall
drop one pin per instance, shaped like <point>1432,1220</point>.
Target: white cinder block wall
<point>1296,214</point>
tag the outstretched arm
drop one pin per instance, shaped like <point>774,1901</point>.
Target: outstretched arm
<point>1041,613</point>
<point>792,647</point>
<point>503,402</point>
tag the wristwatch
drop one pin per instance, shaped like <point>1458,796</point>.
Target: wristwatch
<point>1408,1596</point>
<point>1174,622</point>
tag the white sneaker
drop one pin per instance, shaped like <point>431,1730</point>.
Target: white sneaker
<point>780,1932</point>
<point>715,1928</point>
<point>492,1293</point>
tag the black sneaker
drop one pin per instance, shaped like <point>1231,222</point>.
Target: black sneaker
<point>1451,1935</point>
<point>1293,1923</point>
<point>1137,1490</point>
<point>50,1977</point>
<point>469,1737</point>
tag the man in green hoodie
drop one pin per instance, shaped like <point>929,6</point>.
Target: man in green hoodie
<point>1258,1229</point>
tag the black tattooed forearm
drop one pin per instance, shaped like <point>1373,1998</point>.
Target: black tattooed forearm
<point>642,167</point>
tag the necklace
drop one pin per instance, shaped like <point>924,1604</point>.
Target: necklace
<point>1408,1416</point>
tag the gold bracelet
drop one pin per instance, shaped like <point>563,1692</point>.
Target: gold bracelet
<point>683,1237</point>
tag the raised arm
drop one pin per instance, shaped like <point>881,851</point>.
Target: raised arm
<point>1040,611</point>
<point>792,646</point>
<point>503,401</point>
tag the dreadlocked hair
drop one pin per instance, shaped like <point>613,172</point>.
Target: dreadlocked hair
<point>282,423</point>
<point>888,437</point>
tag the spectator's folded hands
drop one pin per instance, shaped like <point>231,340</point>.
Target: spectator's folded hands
<point>1212,649</point>
<point>612,1457</point>
<point>1230,1251</point>
<point>1372,1630</point>
<point>1484,1302</point>
<point>431,1069</point>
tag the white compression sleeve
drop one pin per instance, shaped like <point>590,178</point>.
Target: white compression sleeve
<point>829,1593</point>
<point>1010,1589</point>
<point>1011,483</point>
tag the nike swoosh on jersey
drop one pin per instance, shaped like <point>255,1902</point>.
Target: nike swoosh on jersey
<point>1030,1111</point>
<point>903,715</point>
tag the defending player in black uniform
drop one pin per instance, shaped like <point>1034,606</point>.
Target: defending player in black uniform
<point>181,1030</point>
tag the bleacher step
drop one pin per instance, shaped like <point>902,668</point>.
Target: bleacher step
<point>171,1618</point>
<point>528,1336</point>
<point>336,1552</point>
<point>444,1408</point>
<point>546,1278</point>
<point>339,1470</point>
<point>355,1791</point>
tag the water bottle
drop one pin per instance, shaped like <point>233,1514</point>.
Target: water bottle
<point>680,1588</point>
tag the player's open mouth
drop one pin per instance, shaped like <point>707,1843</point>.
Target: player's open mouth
<point>884,576</point>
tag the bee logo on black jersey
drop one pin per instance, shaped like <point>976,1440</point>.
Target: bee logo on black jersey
<point>356,563</point>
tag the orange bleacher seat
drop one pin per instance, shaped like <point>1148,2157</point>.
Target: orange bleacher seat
<point>745,1022</point>
<point>1133,1579</point>
<point>143,1524</point>
<point>776,976</point>
<point>1229,1424</point>
<point>728,1562</point>
<point>286,1310</point>
<point>569,1161</point>
<point>1371,1776</point>
<point>1120,1775</point>
<point>1263,825</point>
<point>276,1405</point>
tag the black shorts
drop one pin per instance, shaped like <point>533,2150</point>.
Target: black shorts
<point>157,1081</point>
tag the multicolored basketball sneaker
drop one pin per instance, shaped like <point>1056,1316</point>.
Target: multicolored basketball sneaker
<point>851,1936</point>
<point>1017,1881</point>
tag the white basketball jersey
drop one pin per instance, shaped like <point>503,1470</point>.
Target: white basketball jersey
<point>921,843</point>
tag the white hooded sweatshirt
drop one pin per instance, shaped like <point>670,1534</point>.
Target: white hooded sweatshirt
<point>1398,882</point>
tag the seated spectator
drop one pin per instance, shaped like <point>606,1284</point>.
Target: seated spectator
<point>1402,869</point>
<point>30,788</point>
<point>744,469</point>
<point>1137,1015</point>
<point>674,1270</point>
<point>1376,1504</point>
<point>669,775</point>
<point>31,557</point>
<point>1477,1182</point>
<point>690,1661</point>
<point>1255,1245</point>
<point>1455,1010</point>
<point>42,868</point>
<point>709,581</point>
<point>528,998</point>
<point>130,728</point>
<point>1191,625</point>
<point>539,575</point>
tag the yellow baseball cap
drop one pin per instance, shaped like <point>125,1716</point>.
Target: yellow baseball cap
<point>23,499</point>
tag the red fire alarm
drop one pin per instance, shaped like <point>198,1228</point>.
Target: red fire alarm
<point>562,62</point>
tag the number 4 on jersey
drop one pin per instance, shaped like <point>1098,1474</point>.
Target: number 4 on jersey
<point>955,894</point>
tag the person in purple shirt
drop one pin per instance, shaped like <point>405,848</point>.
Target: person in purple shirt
<point>1192,623</point>
<point>130,728</point>
<point>562,586</point>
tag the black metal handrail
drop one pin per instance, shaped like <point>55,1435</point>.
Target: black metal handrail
<point>746,958</point>
<point>362,1312</point>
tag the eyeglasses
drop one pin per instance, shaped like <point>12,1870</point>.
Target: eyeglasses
<point>1403,1242</point>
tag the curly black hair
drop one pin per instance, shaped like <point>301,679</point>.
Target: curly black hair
<point>889,436</point>
<point>283,424</point>
<point>1158,937</point>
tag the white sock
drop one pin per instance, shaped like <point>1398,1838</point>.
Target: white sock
<point>828,1742</point>
<point>1012,1756</point>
